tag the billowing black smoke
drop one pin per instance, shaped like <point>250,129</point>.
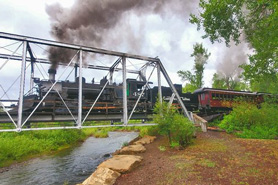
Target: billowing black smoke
<point>90,22</point>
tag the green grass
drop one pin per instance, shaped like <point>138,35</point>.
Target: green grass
<point>206,163</point>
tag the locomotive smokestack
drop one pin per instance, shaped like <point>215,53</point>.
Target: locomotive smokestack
<point>52,73</point>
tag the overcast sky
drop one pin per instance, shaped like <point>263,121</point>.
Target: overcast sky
<point>171,38</point>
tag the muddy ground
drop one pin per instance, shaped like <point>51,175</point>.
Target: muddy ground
<point>214,158</point>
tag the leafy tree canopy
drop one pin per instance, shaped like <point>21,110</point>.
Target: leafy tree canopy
<point>227,83</point>
<point>255,20</point>
<point>195,79</point>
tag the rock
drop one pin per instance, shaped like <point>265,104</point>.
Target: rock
<point>102,176</point>
<point>131,149</point>
<point>106,155</point>
<point>122,163</point>
<point>145,140</point>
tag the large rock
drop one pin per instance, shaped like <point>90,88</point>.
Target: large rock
<point>122,163</point>
<point>102,176</point>
<point>131,149</point>
<point>145,140</point>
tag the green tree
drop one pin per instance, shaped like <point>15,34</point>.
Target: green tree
<point>256,21</point>
<point>270,84</point>
<point>195,79</point>
<point>228,82</point>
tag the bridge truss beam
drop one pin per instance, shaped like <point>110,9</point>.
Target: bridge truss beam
<point>26,41</point>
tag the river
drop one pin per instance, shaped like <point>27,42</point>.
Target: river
<point>71,166</point>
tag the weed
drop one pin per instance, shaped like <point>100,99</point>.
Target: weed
<point>174,144</point>
<point>125,144</point>
<point>101,133</point>
<point>206,163</point>
<point>253,171</point>
<point>185,165</point>
<point>162,148</point>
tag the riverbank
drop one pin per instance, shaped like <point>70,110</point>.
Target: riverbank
<point>23,146</point>
<point>69,166</point>
<point>214,158</point>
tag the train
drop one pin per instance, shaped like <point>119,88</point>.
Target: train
<point>63,98</point>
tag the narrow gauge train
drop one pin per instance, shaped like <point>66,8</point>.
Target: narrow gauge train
<point>206,100</point>
<point>110,100</point>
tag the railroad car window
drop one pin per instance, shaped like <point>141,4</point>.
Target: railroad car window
<point>219,96</point>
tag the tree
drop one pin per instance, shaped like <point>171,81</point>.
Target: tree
<point>256,21</point>
<point>195,79</point>
<point>227,82</point>
<point>270,84</point>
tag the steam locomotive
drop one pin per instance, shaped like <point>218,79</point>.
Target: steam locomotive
<point>64,96</point>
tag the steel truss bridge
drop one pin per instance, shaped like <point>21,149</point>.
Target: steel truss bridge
<point>20,120</point>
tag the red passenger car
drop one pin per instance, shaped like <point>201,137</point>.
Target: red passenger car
<point>211,99</point>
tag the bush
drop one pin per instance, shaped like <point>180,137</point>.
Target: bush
<point>249,121</point>
<point>172,124</point>
<point>182,130</point>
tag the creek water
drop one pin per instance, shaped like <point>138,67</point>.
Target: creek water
<point>70,166</point>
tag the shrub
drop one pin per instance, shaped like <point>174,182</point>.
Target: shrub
<point>182,130</point>
<point>249,121</point>
<point>172,124</point>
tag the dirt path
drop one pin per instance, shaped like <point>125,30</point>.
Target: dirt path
<point>214,158</point>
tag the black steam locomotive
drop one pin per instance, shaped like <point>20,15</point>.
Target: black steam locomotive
<point>64,96</point>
